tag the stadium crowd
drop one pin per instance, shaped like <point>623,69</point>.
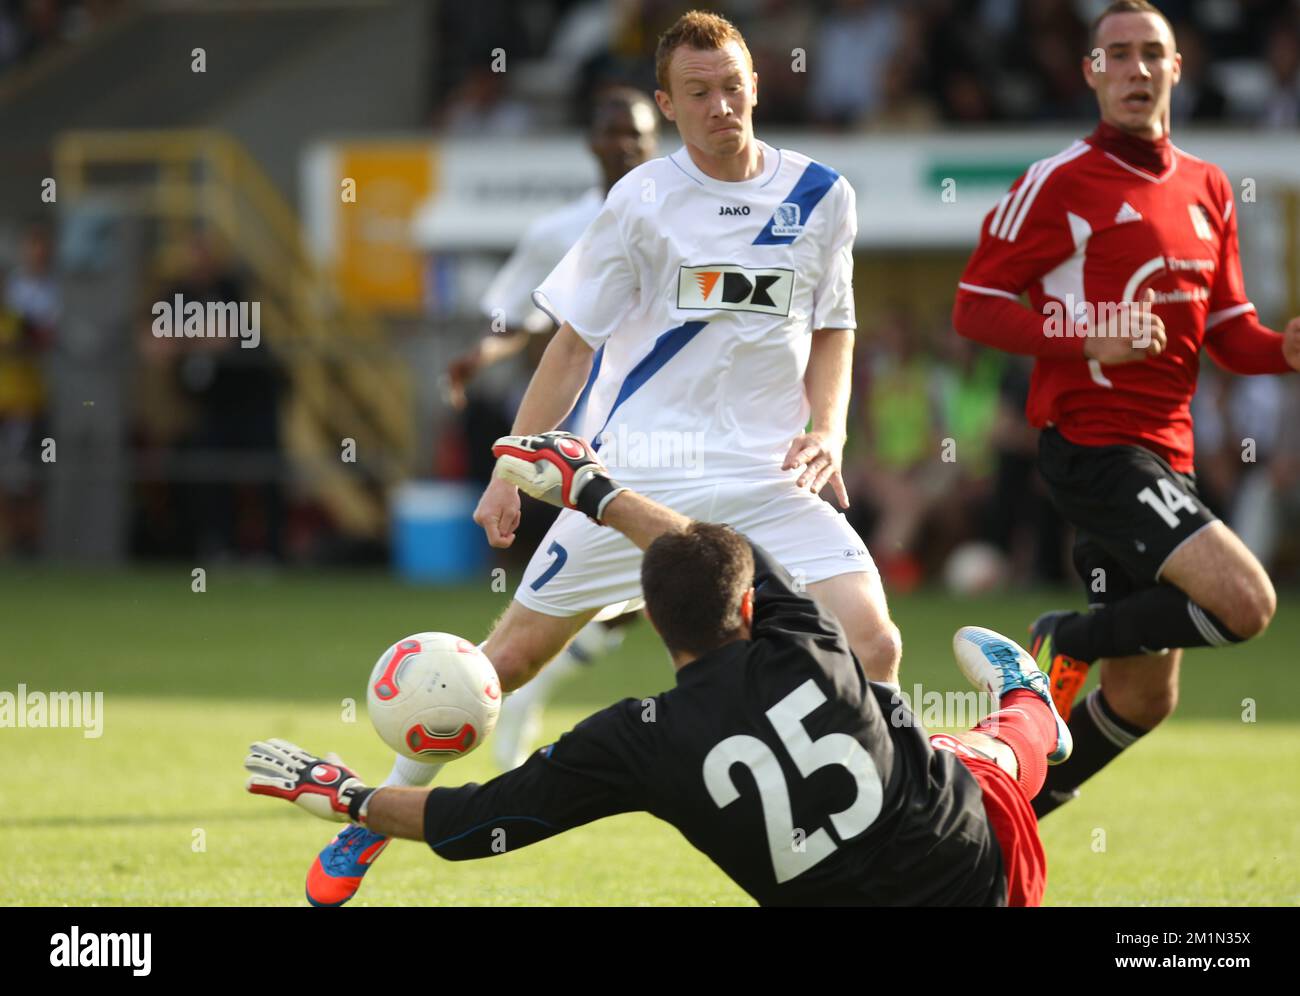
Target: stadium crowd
<point>865,63</point>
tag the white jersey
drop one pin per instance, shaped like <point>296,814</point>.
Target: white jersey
<point>701,297</point>
<point>544,244</point>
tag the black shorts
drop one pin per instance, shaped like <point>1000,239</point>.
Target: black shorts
<point>1130,508</point>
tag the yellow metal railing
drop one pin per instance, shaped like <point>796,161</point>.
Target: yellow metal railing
<point>347,382</point>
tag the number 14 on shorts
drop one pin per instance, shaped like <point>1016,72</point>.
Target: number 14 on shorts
<point>1168,503</point>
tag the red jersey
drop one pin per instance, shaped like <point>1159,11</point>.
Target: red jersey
<point>1086,228</point>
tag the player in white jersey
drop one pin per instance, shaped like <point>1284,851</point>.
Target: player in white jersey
<point>622,136</point>
<point>712,296</point>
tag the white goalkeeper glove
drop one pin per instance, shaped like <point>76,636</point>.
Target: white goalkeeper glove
<point>558,468</point>
<point>325,787</point>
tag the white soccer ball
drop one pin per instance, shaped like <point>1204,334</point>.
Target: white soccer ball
<point>433,697</point>
<point>974,569</point>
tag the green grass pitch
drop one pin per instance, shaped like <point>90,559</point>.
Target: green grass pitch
<point>153,812</point>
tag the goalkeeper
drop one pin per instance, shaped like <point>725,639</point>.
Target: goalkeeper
<point>839,805</point>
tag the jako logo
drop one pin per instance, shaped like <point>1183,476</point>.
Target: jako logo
<point>735,288</point>
<point>181,319</point>
<point>77,950</point>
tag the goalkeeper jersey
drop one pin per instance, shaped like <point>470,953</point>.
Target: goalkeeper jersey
<point>775,757</point>
<point>701,297</point>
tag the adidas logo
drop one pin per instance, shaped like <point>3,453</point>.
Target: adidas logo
<point>1127,213</point>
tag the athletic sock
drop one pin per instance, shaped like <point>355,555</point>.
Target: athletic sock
<point>412,774</point>
<point>1144,623</point>
<point>1100,736</point>
<point>521,710</point>
<point>1023,722</point>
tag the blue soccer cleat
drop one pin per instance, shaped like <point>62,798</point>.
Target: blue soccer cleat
<point>335,875</point>
<point>996,664</point>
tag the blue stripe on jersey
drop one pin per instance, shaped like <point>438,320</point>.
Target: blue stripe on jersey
<point>575,417</point>
<point>665,348</point>
<point>807,193</point>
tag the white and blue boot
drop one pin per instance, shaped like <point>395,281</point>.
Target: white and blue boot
<point>998,665</point>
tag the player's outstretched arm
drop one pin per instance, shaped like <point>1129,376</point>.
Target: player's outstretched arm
<point>329,789</point>
<point>324,786</point>
<point>641,519</point>
<point>564,786</point>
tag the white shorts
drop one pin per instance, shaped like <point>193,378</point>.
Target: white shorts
<point>581,566</point>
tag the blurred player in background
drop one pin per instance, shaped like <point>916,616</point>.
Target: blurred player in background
<point>622,137</point>
<point>1127,247</point>
<point>710,306</point>
<point>766,682</point>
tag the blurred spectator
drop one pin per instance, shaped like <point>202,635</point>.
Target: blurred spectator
<point>11,36</point>
<point>854,42</point>
<point>1262,410</point>
<point>777,29</point>
<point>231,504</point>
<point>29,28</point>
<point>904,103</point>
<point>482,107</point>
<point>1282,105</point>
<point>28,323</point>
<point>961,54</point>
<point>1055,40</point>
<point>1196,98</point>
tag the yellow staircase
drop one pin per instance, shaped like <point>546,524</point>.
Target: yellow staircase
<point>347,382</point>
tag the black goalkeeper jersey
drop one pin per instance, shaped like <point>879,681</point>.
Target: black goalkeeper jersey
<point>800,779</point>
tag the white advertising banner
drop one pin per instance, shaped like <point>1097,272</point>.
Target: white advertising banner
<point>914,191</point>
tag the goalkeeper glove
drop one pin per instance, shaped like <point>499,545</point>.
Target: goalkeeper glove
<point>325,787</point>
<point>558,468</point>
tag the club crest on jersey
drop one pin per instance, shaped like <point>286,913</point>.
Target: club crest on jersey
<point>785,220</point>
<point>765,290</point>
<point>1201,222</point>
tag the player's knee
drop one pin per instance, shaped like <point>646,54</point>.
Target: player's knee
<point>512,661</point>
<point>879,650</point>
<point>1251,609</point>
<point>1145,706</point>
<point>1157,705</point>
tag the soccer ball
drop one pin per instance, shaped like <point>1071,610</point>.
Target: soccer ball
<point>433,697</point>
<point>975,569</point>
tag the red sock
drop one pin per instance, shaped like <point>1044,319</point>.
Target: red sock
<point>1024,723</point>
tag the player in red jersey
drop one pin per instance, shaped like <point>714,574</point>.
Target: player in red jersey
<point>1127,248</point>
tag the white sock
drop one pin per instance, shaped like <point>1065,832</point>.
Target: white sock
<point>413,774</point>
<point>521,712</point>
